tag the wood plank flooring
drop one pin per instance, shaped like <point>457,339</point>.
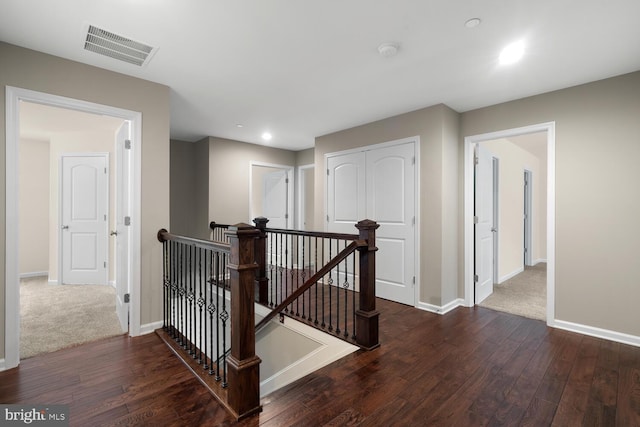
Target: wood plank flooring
<point>470,367</point>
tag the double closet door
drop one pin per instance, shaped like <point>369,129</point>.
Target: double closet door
<point>378,183</point>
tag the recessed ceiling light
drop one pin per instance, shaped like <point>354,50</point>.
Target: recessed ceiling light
<point>388,49</point>
<point>239,125</point>
<point>267,136</point>
<point>473,22</point>
<point>512,53</point>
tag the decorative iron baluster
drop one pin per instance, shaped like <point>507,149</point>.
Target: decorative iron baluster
<point>323,287</point>
<point>353,299</point>
<point>338,290</point>
<point>224,315</point>
<point>330,286</point>
<point>346,295</point>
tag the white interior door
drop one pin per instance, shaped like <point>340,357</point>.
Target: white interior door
<point>275,198</point>
<point>378,184</point>
<point>390,198</point>
<point>483,223</point>
<point>123,215</point>
<point>346,202</point>
<point>84,223</point>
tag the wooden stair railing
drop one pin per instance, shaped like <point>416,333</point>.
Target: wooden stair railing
<point>365,314</point>
<point>238,388</point>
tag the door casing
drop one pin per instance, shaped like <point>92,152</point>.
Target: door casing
<point>13,96</point>
<point>469,144</point>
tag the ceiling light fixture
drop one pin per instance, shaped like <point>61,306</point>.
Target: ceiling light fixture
<point>239,125</point>
<point>267,136</point>
<point>512,53</point>
<point>388,50</point>
<point>473,22</point>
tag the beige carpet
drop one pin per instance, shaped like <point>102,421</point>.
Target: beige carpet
<point>524,294</point>
<point>58,316</point>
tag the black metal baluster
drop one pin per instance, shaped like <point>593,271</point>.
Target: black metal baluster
<point>180,293</point>
<point>301,273</point>
<point>174,289</point>
<point>353,299</point>
<point>315,241</point>
<point>323,286</point>
<point>217,289</point>
<point>330,286</point>
<point>294,276</point>
<point>346,295</point>
<point>211,309</point>
<point>272,285</point>
<point>203,326</point>
<point>338,290</point>
<point>224,315</point>
<point>192,308</point>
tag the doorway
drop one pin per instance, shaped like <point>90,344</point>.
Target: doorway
<point>271,194</point>
<point>16,98</point>
<point>548,130</point>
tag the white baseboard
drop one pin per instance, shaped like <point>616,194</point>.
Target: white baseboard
<point>597,332</point>
<point>510,275</point>
<point>150,327</point>
<point>3,365</point>
<point>112,283</point>
<point>33,274</point>
<point>53,282</point>
<point>539,260</point>
<point>440,309</point>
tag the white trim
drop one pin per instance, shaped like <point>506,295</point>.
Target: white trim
<point>510,275</point>
<point>290,188</point>
<point>148,328</point>
<point>52,282</point>
<point>112,283</point>
<point>440,309</point>
<point>33,274</point>
<point>592,331</point>
<point>417,211</point>
<point>539,260</point>
<point>469,144</point>
<point>12,296</point>
<point>3,365</point>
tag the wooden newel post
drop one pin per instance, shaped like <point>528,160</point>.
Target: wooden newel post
<point>367,315</point>
<point>243,365</point>
<point>262,283</point>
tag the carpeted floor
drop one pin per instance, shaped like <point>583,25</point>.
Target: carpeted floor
<point>58,316</point>
<point>524,294</point>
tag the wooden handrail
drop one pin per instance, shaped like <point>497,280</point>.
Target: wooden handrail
<point>327,235</point>
<point>164,235</point>
<point>353,246</point>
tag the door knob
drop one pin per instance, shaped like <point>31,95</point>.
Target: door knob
<point>65,227</point>
<point>114,233</point>
<point>493,230</point>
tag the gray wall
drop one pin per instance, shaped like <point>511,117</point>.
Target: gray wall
<point>597,197</point>
<point>45,73</point>
<point>183,188</point>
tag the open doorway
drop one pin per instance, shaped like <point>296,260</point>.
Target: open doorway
<point>19,100</point>
<point>66,207</point>
<point>271,194</point>
<point>527,149</point>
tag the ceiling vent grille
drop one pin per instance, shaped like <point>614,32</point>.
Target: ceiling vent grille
<point>118,47</point>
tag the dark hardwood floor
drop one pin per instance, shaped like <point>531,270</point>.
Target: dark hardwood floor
<point>473,366</point>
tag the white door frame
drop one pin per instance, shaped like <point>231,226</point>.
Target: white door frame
<point>12,291</point>
<point>60,211</point>
<point>496,218</point>
<point>290,187</point>
<point>416,142</point>
<point>469,144</point>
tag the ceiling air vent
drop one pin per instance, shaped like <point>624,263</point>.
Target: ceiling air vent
<point>118,47</point>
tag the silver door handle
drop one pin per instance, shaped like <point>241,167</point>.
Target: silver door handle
<point>65,227</point>
<point>114,233</point>
<point>494,230</point>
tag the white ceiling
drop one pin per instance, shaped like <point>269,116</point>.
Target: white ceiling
<point>301,69</point>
